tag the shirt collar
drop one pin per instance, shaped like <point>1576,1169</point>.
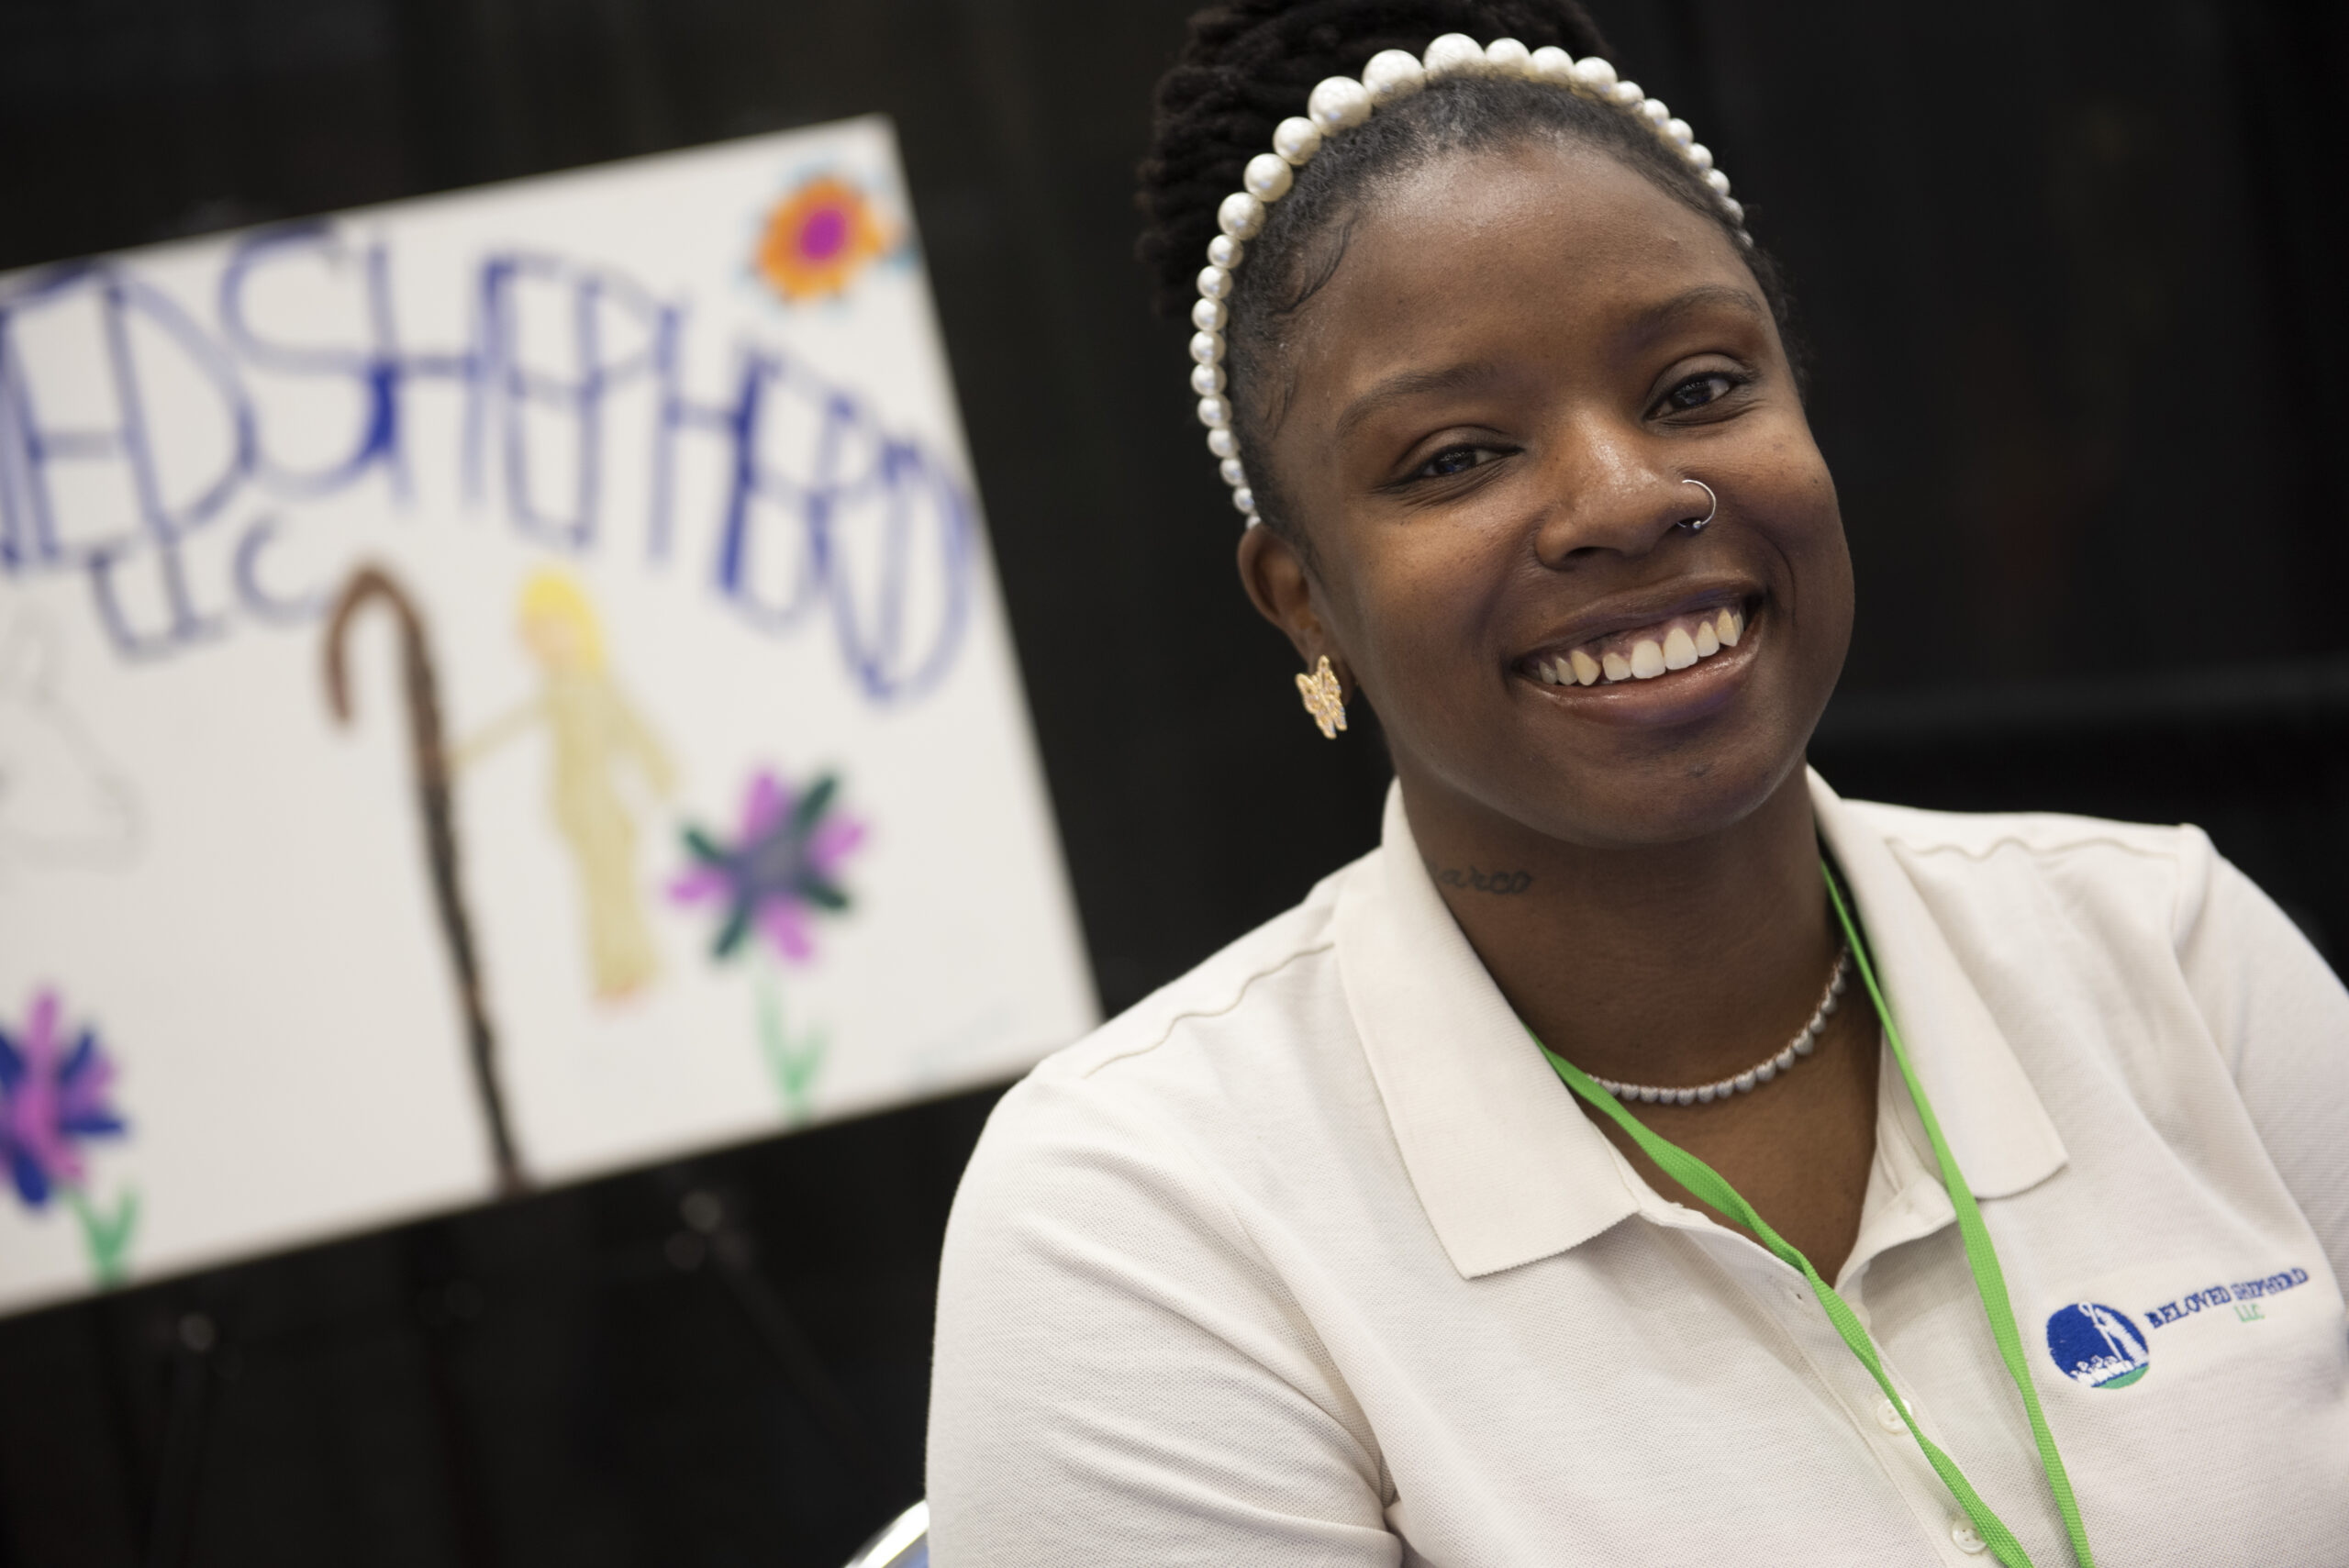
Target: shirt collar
<point>1506,1166</point>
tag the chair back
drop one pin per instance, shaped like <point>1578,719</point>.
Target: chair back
<point>904,1543</point>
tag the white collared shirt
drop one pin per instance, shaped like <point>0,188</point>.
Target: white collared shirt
<point>1309,1258</point>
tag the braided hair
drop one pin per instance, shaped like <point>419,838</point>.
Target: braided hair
<point>1251,63</point>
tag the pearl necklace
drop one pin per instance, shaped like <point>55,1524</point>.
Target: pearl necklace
<point>1806,1039</point>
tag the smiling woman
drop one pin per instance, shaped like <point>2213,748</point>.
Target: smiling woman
<point>1470,1213</point>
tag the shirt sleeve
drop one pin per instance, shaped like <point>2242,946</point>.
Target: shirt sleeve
<point>1121,1378</point>
<point>2280,1016</point>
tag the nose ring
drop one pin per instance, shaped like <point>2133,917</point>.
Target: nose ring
<point>1696,525</point>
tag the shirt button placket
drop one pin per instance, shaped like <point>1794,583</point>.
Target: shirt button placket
<point>1969,1539</point>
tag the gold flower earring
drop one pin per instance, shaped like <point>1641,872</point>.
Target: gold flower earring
<point>1324,699</point>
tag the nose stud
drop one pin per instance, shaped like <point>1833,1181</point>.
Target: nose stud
<point>1696,525</point>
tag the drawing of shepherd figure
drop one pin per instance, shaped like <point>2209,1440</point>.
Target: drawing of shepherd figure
<point>593,731</point>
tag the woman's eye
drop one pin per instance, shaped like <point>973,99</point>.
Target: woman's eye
<point>1454,459</point>
<point>1699,390</point>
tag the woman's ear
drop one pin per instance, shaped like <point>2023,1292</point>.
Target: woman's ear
<point>1282,590</point>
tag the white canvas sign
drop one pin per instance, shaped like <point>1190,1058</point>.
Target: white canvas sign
<point>495,689</point>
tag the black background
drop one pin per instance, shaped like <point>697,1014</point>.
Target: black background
<point>2070,270</point>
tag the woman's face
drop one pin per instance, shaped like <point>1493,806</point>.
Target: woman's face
<point>1494,403</point>
<point>552,641</point>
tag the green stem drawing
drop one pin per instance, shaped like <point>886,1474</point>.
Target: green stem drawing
<point>107,1235</point>
<point>792,1062</point>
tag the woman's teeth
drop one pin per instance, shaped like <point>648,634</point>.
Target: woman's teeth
<point>1644,655</point>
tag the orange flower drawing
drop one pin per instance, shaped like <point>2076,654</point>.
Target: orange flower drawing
<point>820,238</point>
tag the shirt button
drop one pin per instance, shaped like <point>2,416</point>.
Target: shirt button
<point>1969,1540</point>
<point>1889,1418</point>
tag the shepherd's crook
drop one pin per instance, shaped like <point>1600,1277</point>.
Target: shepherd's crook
<point>428,754</point>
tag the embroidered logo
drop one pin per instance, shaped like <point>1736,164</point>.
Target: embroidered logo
<point>2096,1347</point>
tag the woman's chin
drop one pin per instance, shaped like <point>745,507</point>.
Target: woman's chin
<point>1672,795</point>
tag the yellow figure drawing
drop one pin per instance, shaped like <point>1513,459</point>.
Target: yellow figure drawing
<point>592,730</point>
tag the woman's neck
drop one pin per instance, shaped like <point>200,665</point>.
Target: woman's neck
<point>1672,964</point>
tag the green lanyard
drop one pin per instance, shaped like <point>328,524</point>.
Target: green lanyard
<point>1709,1184</point>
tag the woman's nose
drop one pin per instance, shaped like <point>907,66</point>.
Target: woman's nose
<point>1605,493</point>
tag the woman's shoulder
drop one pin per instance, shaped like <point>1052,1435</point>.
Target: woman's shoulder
<point>1196,1076</point>
<point>2085,898</point>
<point>2150,874</point>
<point>1980,835</point>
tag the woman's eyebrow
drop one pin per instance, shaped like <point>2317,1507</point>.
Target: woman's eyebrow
<point>1646,324</point>
<point>1652,321</point>
<point>1409,383</point>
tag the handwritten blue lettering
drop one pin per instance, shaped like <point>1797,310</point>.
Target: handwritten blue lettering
<point>811,508</point>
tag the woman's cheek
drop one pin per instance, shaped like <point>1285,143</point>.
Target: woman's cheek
<point>1433,609</point>
<point>1401,628</point>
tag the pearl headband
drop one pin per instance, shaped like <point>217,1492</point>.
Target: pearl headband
<point>1341,103</point>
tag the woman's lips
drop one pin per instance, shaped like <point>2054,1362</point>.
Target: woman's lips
<point>1640,653</point>
<point>1670,697</point>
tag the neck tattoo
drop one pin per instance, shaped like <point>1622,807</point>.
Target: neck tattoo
<point>1806,1039</point>
<point>1502,883</point>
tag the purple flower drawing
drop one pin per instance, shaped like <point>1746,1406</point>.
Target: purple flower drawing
<point>783,868</point>
<point>51,1098</point>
